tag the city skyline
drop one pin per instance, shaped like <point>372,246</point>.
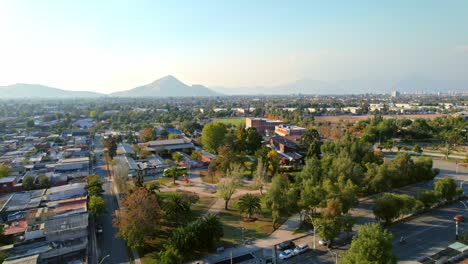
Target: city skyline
<point>114,46</point>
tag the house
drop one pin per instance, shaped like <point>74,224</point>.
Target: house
<point>66,191</point>
<point>263,125</point>
<point>7,184</point>
<point>154,164</point>
<point>124,149</point>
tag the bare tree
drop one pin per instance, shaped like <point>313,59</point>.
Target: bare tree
<point>259,179</point>
<point>120,169</point>
<point>228,186</point>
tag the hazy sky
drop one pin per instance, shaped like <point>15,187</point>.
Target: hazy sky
<point>115,45</point>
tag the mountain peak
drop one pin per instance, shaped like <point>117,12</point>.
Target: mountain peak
<point>167,86</point>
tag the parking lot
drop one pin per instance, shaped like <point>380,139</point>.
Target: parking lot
<point>321,255</point>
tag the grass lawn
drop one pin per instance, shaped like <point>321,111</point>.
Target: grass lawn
<point>233,121</point>
<point>167,181</point>
<point>233,222</point>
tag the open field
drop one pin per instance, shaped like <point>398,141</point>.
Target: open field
<point>355,118</point>
<point>233,121</point>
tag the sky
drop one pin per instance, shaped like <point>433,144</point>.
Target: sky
<point>108,46</point>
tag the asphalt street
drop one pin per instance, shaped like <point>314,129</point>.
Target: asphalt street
<point>108,243</point>
<point>428,233</point>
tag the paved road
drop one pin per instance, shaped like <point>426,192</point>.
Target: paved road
<point>108,244</point>
<point>427,234</point>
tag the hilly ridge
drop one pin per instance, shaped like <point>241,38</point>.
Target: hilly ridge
<point>168,86</point>
<point>23,90</point>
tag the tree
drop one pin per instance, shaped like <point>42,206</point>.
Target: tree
<point>170,255</point>
<point>417,149</point>
<point>249,204</point>
<point>97,205</point>
<point>94,185</point>
<point>386,208</point>
<point>28,182</point>
<point>308,137</point>
<point>177,207</point>
<point>196,235</point>
<point>196,155</point>
<point>228,186</point>
<point>177,156</point>
<point>372,245</point>
<point>445,188</point>
<point>259,179</point>
<point>225,158</point>
<point>277,198</point>
<point>390,206</point>
<point>172,136</point>
<point>138,219</point>
<point>4,171</point>
<point>273,162</point>
<point>213,135</point>
<point>253,140</point>
<point>173,171</point>
<point>328,228</point>
<point>44,181</point>
<point>153,187</point>
<point>428,198</point>
<point>120,169</point>
<point>147,134</point>
<point>111,145</point>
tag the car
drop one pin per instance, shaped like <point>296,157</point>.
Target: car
<point>99,229</point>
<point>286,254</point>
<point>458,218</point>
<point>300,249</point>
<point>324,242</point>
<point>285,245</point>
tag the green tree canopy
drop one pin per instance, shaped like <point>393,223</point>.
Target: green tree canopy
<point>213,135</point>
<point>372,245</point>
<point>94,185</point>
<point>96,205</point>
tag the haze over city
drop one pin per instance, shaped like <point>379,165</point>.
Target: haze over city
<point>110,46</point>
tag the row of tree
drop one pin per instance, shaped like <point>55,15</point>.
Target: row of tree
<point>390,206</point>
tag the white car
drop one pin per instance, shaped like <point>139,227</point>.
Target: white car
<point>324,242</point>
<point>300,249</point>
<point>286,254</point>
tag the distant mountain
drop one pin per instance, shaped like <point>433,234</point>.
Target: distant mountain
<point>167,86</point>
<point>303,86</point>
<point>419,84</point>
<point>23,90</point>
<point>410,84</point>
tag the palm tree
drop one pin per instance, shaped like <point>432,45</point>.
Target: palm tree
<point>212,229</point>
<point>177,207</point>
<point>249,204</point>
<point>173,171</point>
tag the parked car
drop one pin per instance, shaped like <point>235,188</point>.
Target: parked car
<point>324,242</point>
<point>301,249</point>
<point>286,254</point>
<point>285,245</point>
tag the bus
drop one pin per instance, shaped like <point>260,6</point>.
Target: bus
<point>180,171</point>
